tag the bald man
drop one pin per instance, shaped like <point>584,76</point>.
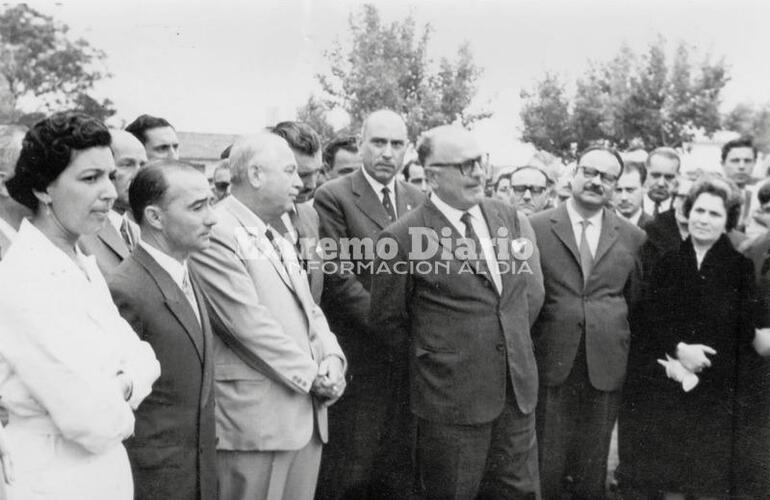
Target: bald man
<point>115,240</point>
<point>11,211</point>
<point>356,207</point>
<point>278,365</point>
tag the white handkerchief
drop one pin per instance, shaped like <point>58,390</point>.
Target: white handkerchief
<point>677,372</point>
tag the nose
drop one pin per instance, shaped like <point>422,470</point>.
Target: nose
<point>296,181</point>
<point>387,151</point>
<point>108,190</point>
<point>527,195</point>
<point>211,217</point>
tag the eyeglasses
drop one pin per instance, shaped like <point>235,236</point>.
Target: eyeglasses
<point>591,173</point>
<point>535,190</point>
<point>221,186</point>
<point>466,167</point>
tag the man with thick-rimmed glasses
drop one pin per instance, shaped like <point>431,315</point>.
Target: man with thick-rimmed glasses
<point>529,186</point>
<point>592,272</point>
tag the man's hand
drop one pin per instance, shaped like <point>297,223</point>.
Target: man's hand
<point>693,356</point>
<point>330,383</point>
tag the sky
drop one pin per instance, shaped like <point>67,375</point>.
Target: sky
<point>234,66</point>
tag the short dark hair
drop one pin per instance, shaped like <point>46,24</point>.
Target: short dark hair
<point>424,148</point>
<point>408,164</point>
<point>502,177</point>
<point>301,137</point>
<point>723,188</point>
<point>606,149</point>
<point>139,127</point>
<point>225,154</point>
<point>150,184</point>
<point>740,142</point>
<point>47,150</point>
<point>763,194</point>
<point>348,143</point>
<point>639,167</point>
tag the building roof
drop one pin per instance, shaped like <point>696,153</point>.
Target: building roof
<point>202,146</point>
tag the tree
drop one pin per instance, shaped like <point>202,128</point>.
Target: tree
<point>44,69</point>
<point>543,116</point>
<point>633,97</point>
<point>753,121</point>
<point>313,113</point>
<point>387,66</point>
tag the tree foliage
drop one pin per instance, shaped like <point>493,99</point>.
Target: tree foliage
<point>641,97</point>
<point>313,113</point>
<point>753,121</point>
<point>44,69</point>
<point>388,66</point>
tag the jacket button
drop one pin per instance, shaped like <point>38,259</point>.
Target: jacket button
<point>500,347</point>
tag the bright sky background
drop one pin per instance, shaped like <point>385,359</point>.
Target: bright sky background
<point>233,66</point>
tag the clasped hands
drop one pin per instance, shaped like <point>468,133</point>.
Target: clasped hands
<point>691,359</point>
<point>329,384</point>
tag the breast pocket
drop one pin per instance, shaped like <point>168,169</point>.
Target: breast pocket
<point>240,384</point>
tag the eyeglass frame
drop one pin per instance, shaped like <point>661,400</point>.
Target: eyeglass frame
<point>463,167</point>
<point>523,188</point>
<point>591,173</point>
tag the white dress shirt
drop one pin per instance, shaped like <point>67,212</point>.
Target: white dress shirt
<point>177,270</point>
<point>377,186</point>
<point>648,204</point>
<point>593,231</point>
<point>482,231</point>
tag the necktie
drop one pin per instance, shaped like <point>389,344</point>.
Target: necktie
<point>187,289</point>
<point>387,204</point>
<point>586,258</point>
<point>470,234</point>
<point>655,210</point>
<point>125,233</point>
<point>294,218</point>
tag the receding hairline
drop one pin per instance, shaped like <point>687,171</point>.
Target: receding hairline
<point>387,113</point>
<point>253,148</point>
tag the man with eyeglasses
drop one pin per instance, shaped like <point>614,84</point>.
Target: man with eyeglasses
<point>353,209</point>
<point>529,189</point>
<point>473,375</point>
<point>592,273</point>
<point>662,172</point>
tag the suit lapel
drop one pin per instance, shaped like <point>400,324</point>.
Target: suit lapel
<point>561,226</point>
<point>404,203</point>
<point>175,300</point>
<point>368,201</point>
<point>607,237</point>
<point>110,237</point>
<point>208,353</point>
<point>494,222</point>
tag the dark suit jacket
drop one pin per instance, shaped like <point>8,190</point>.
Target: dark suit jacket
<point>465,337</point>
<point>602,308</point>
<point>107,246</point>
<point>305,220</point>
<point>173,450</point>
<point>348,207</point>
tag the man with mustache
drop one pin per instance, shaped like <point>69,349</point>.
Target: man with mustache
<point>356,207</point>
<point>662,171</point>
<point>592,273</point>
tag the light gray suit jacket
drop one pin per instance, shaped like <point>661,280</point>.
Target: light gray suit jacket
<point>269,338</point>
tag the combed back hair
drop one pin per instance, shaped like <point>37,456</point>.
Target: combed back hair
<point>11,137</point>
<point>150,185</point>
<point>639,167</point>
<point>606,149</point>
<point>718,186</point>
<point>47,150</point>
<point>740,142</point>
<point>300,136</point>
<point>665,152</point>
<point>225,154</point>
<point>405,170</point>
<point>502,177</point>
<point>139,127</point>
<point>348,143</point>
<point>764,193</point>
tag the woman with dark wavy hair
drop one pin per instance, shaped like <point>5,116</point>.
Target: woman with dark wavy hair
<point>700,322</point>
<point>71,369</point>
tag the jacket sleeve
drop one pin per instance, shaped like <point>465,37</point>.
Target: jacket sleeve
<point>535,285</point>
<point>391,292</point>
<point>248,326</point>
<point>89,410</point>
<point>342,289</point>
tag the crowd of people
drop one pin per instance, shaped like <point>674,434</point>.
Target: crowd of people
<point>331,321</point>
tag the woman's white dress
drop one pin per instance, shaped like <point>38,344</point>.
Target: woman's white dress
<point>62,343</point>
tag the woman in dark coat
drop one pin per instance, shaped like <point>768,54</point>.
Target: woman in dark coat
<point>700,319</point>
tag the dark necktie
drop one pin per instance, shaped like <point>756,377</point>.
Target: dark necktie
<point>387,204</point>
<point>586,259</point>
<point>470,234</point>
<point>656,209</point>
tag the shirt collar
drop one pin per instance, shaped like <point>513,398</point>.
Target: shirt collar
<point>173,267</point>
<point>452,213</point>
<point>7,229</point>
<point>575,218</point>
<point>377,185</point>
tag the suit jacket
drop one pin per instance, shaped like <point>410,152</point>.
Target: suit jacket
<point>108,246</point>
<point>644,219</point>
<point>602,308</point>
<point>173,450</point>
<point>305,221</point>
<point>465,337</point>
<point>347,208</point>
<point>269,337</point>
